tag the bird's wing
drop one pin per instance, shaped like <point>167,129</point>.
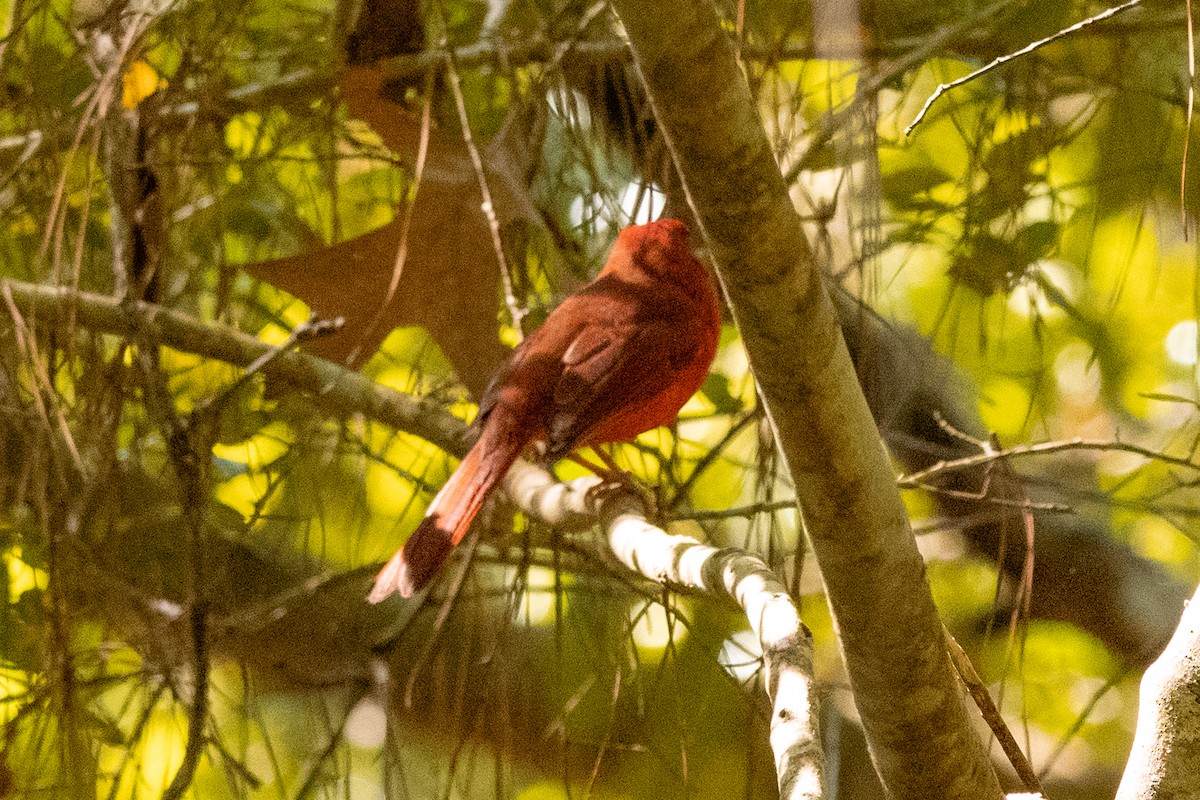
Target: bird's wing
<point>624,355</point>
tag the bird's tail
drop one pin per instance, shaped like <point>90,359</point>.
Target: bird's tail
<point>448,518</point>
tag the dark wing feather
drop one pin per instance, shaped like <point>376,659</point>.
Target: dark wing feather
<point>529,373</point>
<point>619,363</point>
<point>611,346</point>
<point>593,352</point>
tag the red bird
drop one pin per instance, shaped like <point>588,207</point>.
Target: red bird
<point>618,358</point>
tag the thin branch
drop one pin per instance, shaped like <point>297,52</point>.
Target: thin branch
<point>298,86</point>
<point>1082,718</point>
<point>1187,128</point>
<point>185,448</point>
<point>921,51</point>
<point>58,430</point>
<point>312,780</point>
<point>710,457</point>
<point>489,208</point>
<point>739,512</point>
<point>918,479</point>
<point>991,714</point>
<point>453,591</point>
<point>1004,59</point>
<point>135,735</point>
<point>312,328</point>
<point>334,387</point>
<point>1024,504</point>
<point>533,51</point>
<point>198,713</point>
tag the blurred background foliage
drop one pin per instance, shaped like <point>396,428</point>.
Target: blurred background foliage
<point>186,551</point>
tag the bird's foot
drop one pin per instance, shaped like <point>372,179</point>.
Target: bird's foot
<point>613,479</point>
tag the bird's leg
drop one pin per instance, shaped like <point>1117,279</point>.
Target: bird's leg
<point>614,478</point>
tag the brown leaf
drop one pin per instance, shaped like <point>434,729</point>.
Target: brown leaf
<point>449,282</point>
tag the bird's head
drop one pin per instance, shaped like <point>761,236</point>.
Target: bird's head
<point>658,251</point>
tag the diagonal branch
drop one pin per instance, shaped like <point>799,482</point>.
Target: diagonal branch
<point>1004,59</point>
<point>917,727</point>
<point>684,562</point>
<point>335,388</point>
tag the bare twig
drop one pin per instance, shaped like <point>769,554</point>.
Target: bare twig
<point>451,599</point>
<point>198,713</point>
<point>1187,129</point>
<point>45,386</point>
<point>1004,59</point>
<point>1081,719</point>
<point>540,51</point>
<point>991,714</point>
<point>920,51</point>
<point>710,457</point>
<point>312,781</point>
<point>185,446</point>
<point>312,328</point>
<point>188,466</point>
<point>489,209</point>
<point>335,387</point>
<point>1023,504</point>
<point>918,479</point>
<point>405,226</point>
<point>739,512</point>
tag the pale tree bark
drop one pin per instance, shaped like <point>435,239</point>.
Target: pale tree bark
<point>913,715</point>
<point>684,562</point>
<point>1165,760</point>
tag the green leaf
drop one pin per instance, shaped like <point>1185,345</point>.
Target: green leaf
<point>716,389</point>
<point>1039,238</point>
<point>907,188</point>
